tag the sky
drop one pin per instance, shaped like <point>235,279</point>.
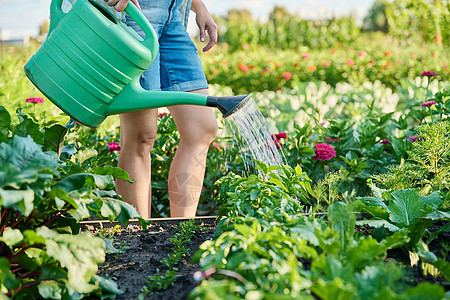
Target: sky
<point>19,18</point>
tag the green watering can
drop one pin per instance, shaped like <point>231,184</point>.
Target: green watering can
<point>90,65</point>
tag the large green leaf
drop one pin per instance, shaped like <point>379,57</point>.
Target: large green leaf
<point>79,254</point>
<point>343,220</point>
<point>77,181</point>
<point>11,237</point>
<point>7,278</point>
<point>405,206</point>
<point>116,172</point>
<point>22,159</point>
<point>27,127</point>
<point>21,201</point>
<point>5,122</point>
<point>433,200</point>
<point>426,290</point>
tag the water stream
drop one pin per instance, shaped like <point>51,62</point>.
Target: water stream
<point>252,136</point>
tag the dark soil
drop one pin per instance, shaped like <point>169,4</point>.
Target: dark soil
<point>145,253</point>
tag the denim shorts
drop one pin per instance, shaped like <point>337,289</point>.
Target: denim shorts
<point>177,66</point>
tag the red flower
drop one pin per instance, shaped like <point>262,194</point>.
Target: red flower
<point>332,140</point>
<point>277,136</point>
<point>287,75</point>
<point>324,152</point>
<point>428,103</point>
<point>350,62</point>
<point>429,74</point>
<point>385,142</point>
<point>162,115</point>
<point>113,147</point>
<point>35,100</point>
<point>243,67</point>
<point>388,53</point>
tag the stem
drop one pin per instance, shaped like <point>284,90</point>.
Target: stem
<point>31,284</point>
<point>57,215</point>
<point>30,217</point>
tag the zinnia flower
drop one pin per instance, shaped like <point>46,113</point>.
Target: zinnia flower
<point>162,115</point>
<point>413,138</point>
<point>277,136</point>
<point>312,68</point>
<point>350,62</point>
<point>385,142</point>
<point>429,74</point>
<point>287,75</point>
<point>243,67</point>
<point>428,103</point>
<point>113,147</point>
<point>305,56</point>
<point>216,145</point>
<point>35,100</point>
<point>326,63</point>
<point>324,152</point>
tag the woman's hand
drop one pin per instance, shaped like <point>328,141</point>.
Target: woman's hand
<point>120,5</point>
<point>205,23</point>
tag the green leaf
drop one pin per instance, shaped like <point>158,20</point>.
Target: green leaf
<point>343,220</point>
<point>115,172</point>
<point>7,278</point>
<point>118,210</point>
<point>21,201</point>
<point>11,237</point>
<point>433,200</point>
<point>108,287</point>
<point>438,215</point>
<point>5,123</point>
<point>426,290</point>
<point>54,136</point>
<point>378,224</point>
<point>79,180</point>
<point>405,207</point>
<point>50,289</point>
<point>21,159</point>
<point>79,254</point>
<point>27,127</point>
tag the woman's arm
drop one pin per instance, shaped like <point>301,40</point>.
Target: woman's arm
<point>205,23</point>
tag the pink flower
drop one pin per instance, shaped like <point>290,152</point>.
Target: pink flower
<point>326,63</point>
<point>429,74</point>
<point>428,103</point>
<point>305,56</point>
<point>350,62</point>
<point>332,140</point>
<point>385,142</point>
<point>216,145</point>
<point>243,67</point>
<point>113,147</point>
<point>413,138</point>
<point>287,75</point>
<point>362,53</point>
<point>324,152</point>
<point>35,100</point>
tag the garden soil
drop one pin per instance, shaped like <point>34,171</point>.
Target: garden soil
<point>146,250</point>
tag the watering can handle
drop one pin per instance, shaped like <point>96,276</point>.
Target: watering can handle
<point>151,38</point>
<point>150,41</point>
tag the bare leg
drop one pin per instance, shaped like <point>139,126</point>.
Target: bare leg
<point>198,128</point>
<point>137,136</point>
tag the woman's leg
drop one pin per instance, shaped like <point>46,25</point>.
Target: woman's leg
<point>198,128</point>
<point>137,136</point>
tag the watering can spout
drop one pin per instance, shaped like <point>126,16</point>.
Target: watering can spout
<point>228,105</point>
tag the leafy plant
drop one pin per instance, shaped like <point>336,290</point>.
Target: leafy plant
<point>42,251</point>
